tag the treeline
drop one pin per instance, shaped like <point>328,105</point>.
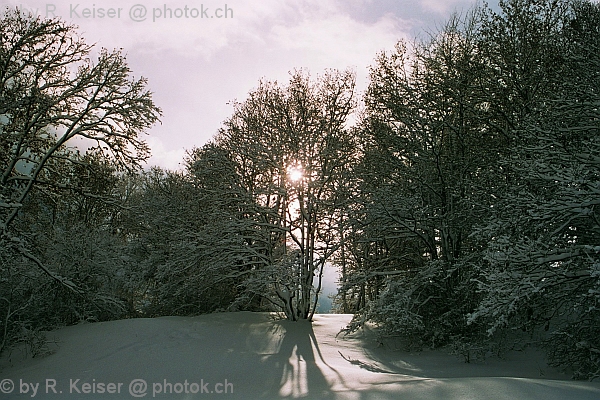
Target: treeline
<point>477,221</point>
<point>63,254</point>
<point>458,197</point>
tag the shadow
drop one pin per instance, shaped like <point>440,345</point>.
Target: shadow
<point>252,357</point>
<point>301,370</point>
<point>366,366</point>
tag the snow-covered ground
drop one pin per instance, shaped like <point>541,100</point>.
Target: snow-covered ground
<point>252,356</point>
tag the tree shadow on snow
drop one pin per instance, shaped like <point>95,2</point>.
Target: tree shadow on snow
<point>298,373</point>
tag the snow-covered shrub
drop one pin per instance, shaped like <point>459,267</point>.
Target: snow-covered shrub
<point>576,349</point>
<point>395,312</point>
<point>36,341</point>
<point>575,344</point>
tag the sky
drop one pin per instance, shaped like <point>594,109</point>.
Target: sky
<point>199,56</point>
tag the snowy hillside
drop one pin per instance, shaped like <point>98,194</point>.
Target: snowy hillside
<point>253,356</point>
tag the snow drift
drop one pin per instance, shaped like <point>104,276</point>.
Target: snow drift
<point>254,356</point>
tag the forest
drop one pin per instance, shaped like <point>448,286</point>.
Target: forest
<point>457,196</point>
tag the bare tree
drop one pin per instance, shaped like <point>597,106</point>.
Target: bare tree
<point>53,97</point>
<point>293,149</point>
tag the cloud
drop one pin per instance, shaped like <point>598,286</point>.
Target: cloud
<point>167,158</point>
<point>338,39</point>
<point>445,6</point>
<point>171,26</point>
<point>196,65</point>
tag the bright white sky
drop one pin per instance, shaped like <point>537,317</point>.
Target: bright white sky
<point>196,66</point>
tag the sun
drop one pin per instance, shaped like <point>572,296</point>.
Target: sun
<point>295,173</point>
